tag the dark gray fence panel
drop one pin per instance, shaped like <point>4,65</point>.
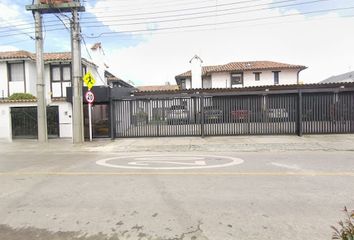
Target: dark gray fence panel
<point>328,113</point>
<point>261,114</point>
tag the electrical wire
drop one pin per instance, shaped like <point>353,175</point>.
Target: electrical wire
<point>201,25</point>
<point>198,13</point>
<point>177,10</point>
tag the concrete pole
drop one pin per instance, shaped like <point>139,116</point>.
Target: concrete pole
<point>41,96</point>
<point>78,121</point>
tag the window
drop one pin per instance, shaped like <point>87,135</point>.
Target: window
<point>16,72</point>
<point>257,76</point>
<point>276,77</point>
<point>236,79</point>
<point>60,79</point>
<point>207,82</point>
<point>84,70</point>
<point>183,83</point>
<point>56,76</point>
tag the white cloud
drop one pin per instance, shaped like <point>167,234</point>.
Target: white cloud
<point>323,43</point>
<point>4,48</point>
<point>12,16</point>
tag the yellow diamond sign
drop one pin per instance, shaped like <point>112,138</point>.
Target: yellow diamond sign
<point>89,80</point>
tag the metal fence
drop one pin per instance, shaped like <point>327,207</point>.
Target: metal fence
<point>247,114</point>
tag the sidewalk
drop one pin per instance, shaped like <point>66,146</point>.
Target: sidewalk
<point>333,142</point>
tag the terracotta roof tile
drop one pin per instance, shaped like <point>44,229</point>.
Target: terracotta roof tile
<point>244,66</point>
<point>16,55</point>
<point>157,88</point>
<point>18,101</point>
<point>48,57</point>
<point>62,56</point>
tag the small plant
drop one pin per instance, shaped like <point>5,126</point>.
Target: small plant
<point>21,96</point>
<point>346,230</point>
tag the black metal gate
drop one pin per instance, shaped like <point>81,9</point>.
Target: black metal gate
<point>294,112</point>
<point>24,122</point>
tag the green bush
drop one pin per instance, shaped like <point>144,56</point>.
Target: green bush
<point>346,230</point>
<point>21,96</point>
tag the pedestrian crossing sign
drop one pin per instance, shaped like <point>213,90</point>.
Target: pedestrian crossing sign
<point>89,80</point>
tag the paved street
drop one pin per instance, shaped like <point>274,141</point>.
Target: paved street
<point>53,193</point>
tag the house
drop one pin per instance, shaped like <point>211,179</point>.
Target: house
<point>18,75</point>
<point>114,81</point>
<point>166,87</point>
<point>238,74</point>
<point>342,78</point>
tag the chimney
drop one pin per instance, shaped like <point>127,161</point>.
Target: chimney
<point>196,69</point>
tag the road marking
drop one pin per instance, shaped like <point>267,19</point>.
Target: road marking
<point>291,174</point>
<point>170,162</point>
<point>292,167</point>
<point>146,163</point>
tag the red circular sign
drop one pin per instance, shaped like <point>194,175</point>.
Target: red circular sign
<point>90,97</point>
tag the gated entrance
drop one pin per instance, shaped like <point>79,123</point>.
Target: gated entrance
<point>24,122</point>
<point>287,112</point>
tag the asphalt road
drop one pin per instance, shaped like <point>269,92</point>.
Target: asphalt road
<point>266,195</point>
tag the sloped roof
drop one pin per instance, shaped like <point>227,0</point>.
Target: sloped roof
<point>157,88</point>
<point>345,77</point>
<point>16,55</point>
<point>244,66</point>
<point>263,89</point>
<point>112,78</point>
<point>48,57</point>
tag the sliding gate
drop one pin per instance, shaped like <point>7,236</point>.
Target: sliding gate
<point>159,117</point>
<point>261,114</point>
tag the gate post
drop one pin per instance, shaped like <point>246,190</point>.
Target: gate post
<point>299,114</point>
<point>112,117</point>
<point>202,115</point>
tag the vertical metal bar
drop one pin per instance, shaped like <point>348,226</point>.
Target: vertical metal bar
<point>202,113</point>
<point>299,115</point>
<point>112,113</point>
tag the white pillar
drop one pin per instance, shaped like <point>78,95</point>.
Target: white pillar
<point>196,69</point>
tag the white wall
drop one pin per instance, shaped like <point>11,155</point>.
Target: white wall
<point>3,80</point>
<point>31,77</point>
<point>65,119</point>
<point>100,81</point>
<point>188,84</point>
<point>5,119</point>
<point>196,71</point>
<point>220,80</point>
<point>5,126</point>
<point>267,78</point>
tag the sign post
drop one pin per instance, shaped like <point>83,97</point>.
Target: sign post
<point>90,98</point>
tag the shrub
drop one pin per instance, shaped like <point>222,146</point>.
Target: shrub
<point>21,96</point>
<point>346,230</point>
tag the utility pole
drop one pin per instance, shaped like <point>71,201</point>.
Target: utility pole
<point>41,96</point>
<point>78,120</point>
<point>49,7</point>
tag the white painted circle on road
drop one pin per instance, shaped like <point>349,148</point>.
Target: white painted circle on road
<point>169,162</point>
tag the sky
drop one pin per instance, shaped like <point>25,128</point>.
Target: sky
<point>149,42</point>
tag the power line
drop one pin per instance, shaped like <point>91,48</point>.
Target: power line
<point>201,25</point>
<point>88,53</point>
<point>176,10</point>
<point>198,13</point>
<point>159,5</point>
<point>118,8</point>
<point>206,16</point>
<point>221,23</point>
